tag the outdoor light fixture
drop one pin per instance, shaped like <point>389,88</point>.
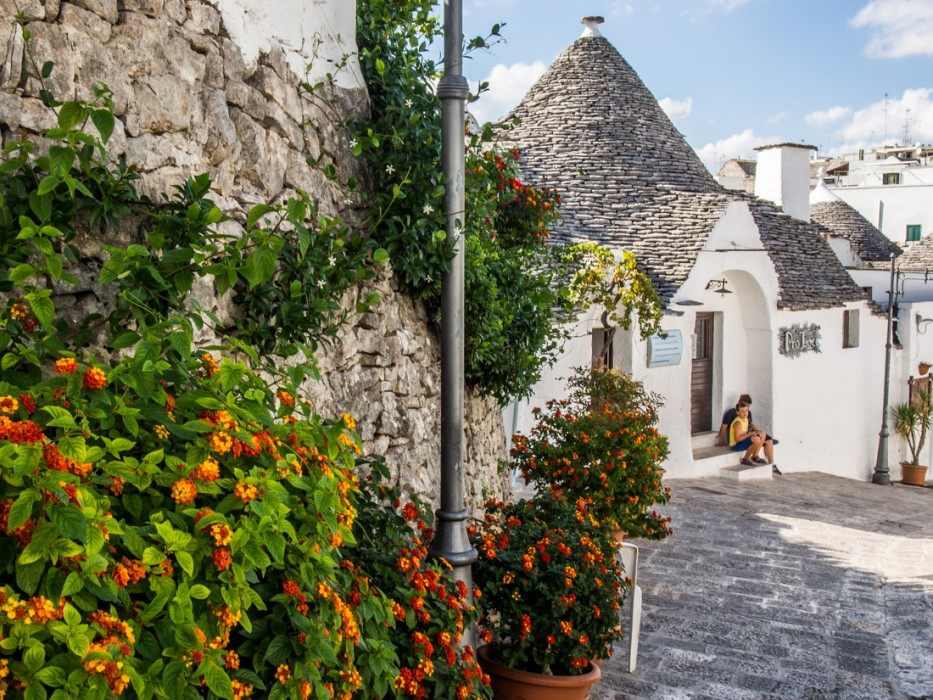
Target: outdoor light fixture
<point>718,286</point>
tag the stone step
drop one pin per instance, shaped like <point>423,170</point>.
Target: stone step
<point>708,461</point>
<point>701,440</point>
<point>740,472</point>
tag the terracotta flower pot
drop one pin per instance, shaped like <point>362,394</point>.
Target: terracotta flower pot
<point>508,684</point>
<point>913,474</point>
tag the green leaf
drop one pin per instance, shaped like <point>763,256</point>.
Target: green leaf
<point>21,509</point>
<point>380,256</point>
<point>259,266</point>
<point>52,676</point>
<point>200,592</point>
<point>216,678</point>
<point>103,120</point>
<point>47,69</point>
<point>256,213</point>
<point>125,340</point>
<point>21,273</point>
<point>9,360</point>
<point>28,576</point>
<point>34,657</point>
<point>60,160</point>
<point>70,115</point>
<point>70,522</point>
<point>41,206</point>
<point>48,184</point>
<point>73,584</point>
<point>42,306</point>
<point>380,67</point>
<point>61,417</point>
<point>186,562</point>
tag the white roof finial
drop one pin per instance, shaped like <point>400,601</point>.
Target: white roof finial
<point>592,23</point>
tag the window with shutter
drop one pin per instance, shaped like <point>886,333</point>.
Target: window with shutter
<point>850,328</point>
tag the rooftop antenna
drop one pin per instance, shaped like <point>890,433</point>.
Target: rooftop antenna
<point>907,128</point>
<point>885,119</point>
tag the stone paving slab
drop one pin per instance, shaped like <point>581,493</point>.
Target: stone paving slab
<point>809,586</point>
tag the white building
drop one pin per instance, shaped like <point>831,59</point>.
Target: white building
<point>755,298</point>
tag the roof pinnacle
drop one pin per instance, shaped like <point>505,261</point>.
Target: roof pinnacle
<point>592,22</point>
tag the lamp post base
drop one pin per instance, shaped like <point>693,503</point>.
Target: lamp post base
<point>881,478</point>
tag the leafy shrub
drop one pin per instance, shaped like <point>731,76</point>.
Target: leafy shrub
<point>552,588</point>
<point>520,291</point>
<point>431,610</point>
<point>169,522</point>
<point>601,443</point>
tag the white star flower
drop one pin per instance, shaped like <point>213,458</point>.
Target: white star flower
<point>428,209</point>
<point>409,103</point>
<point>321,283</point>
<point>390,169</point>
<point>332,260</point>
<point>353,143</point>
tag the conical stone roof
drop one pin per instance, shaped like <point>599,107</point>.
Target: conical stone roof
<point>591,130</point>
<point>841,220</point>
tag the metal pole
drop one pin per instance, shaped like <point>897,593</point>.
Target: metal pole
<point>882,474</point>
<point>451,541</point>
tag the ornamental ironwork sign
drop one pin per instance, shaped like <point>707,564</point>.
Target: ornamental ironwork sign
<point>798,339</point>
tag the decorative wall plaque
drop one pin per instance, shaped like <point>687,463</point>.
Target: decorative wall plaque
<point>665,349</point>
<point>798,339</point>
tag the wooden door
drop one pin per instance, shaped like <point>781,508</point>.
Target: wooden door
<point>701,378</point>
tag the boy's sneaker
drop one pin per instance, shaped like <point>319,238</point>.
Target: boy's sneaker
<point>775,470</point>
<point>759,460</point>
<point>747,463</point>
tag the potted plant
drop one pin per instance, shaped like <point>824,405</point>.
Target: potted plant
<point>912,421</point>
<point>551,594</point>
<point>601,443</point>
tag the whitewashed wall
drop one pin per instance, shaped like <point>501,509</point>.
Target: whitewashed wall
<point>316,35</point>
<point>915,286</point>
<point>825,408</point>
<point>903,205</point>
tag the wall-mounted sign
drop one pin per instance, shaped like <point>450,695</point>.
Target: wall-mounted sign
<point>665,349</point>
<point>798,339</point>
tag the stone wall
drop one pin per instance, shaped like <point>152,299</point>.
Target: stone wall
<point>188,101</point>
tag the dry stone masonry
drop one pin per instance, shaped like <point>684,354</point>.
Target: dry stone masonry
<point>187,102</point>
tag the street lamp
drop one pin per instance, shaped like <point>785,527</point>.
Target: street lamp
<point>451,541</point>
<point>882,474</point>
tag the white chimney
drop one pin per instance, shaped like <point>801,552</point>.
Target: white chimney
<point>592,25</point>
<point>783,177</point>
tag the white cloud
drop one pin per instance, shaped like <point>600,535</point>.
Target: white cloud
<point>740,145</point>
<point>727,5</point>
<point>879,123</point>
<point>827,116</point>
<point>619,8</point>
<point>507,86</point>
<point>901,27</point>
<point>778,118</point>
<point>677,109</point>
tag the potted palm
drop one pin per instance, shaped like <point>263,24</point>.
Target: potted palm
<point>551,594</point>
<point>912,421</point>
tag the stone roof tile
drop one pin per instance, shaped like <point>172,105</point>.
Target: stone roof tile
<point>841,220</point>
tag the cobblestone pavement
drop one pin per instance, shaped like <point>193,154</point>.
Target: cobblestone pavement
<point>809,586</point>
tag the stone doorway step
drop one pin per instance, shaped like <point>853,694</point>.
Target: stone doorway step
<point>710,460</point>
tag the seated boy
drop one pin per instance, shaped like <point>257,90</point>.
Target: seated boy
<point>722,440</point>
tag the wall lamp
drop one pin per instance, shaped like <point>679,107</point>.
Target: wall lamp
<point>921,321</point>
<point>718,286</point>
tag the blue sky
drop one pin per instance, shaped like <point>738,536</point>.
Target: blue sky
<point>736,73</point>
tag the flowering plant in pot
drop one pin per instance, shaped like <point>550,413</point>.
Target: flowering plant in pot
<point>912,421</point>
<point>552,591</point>
<point>601,443</point>
<point>431,610</point>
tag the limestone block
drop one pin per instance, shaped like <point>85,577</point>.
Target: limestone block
<point>105,9</point>
<point>302,176</point>
<point>13,47</point>
<point>264,155</point>
<point>25,112</point>
<point>87,22</point>
<point>214,69</point>
<point>159,184</point>
<point>235,66</point>
<point>149,46</point>
<point>161,103</point>
<point>52,8</point>
<point>152,151</point>
<point>97,63</point>
<point>282,91</point>
<point>281,122</point>
<point>50,42</point>
<point>172,9</point>
<point>29,9</point>
<point>202,18</point>
<point>221,132</point>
